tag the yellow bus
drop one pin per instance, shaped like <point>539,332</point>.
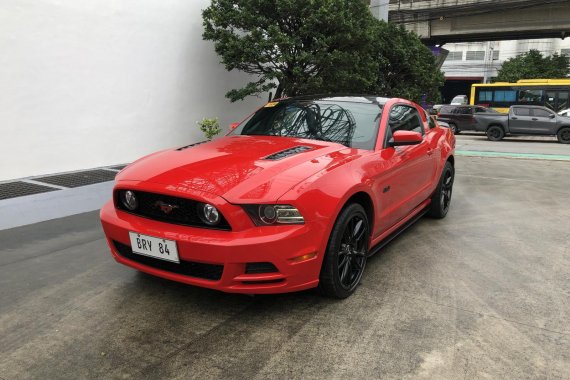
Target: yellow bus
<point>551,93</point>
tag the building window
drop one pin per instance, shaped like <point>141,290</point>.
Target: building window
<point>565,52</point>
<point>475,55</point>
<point>495,55</point>
<point>455,56</point>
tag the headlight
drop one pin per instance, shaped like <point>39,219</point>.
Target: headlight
<point>129,200</point>
<point>267,215</point>
<point>208,214</point>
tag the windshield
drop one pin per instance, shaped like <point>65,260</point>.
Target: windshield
<point>350,123</point>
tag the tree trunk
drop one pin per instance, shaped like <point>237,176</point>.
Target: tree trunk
<point>278,92</point>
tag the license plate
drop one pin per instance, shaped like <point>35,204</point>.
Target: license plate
<point>154,247</point>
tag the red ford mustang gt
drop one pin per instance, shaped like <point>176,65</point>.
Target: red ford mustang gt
<point>299,195</point>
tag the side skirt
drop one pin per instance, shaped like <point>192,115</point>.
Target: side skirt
<point>423,209</point>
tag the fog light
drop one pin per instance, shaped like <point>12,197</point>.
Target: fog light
<point>129,200</point>
<point>209,214</point>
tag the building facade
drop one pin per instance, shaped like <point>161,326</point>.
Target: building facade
<point>99,82</point>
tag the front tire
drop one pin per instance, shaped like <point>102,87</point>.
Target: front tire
<point>495,133</point>
<point>441,199</point>
<point>346,253</point>
<point>563,135</point>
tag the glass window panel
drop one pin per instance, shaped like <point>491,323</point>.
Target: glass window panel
<point>519,111</point>
<point>485,96</point>
<point>531,97</point>
<point>405,118</point>
<point>475,55</point>
<point>562,101</point>
<point>541,113</point>
<point>505,96</point>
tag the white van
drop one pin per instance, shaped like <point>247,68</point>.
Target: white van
<point>459,100</point>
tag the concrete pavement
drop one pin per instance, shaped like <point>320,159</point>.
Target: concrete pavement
<point>480,294</point>
<point>533,145</point>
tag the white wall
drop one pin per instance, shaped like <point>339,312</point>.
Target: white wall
<point>87,83</point>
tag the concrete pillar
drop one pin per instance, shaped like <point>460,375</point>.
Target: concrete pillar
<point>379,9</point>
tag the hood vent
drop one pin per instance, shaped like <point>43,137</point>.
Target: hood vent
<point>191,145</point>
<point>287,152</point>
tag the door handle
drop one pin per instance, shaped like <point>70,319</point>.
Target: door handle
<point>534,119</point>
<point>514,118</point>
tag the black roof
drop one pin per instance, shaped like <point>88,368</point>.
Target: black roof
<point>372,99</point>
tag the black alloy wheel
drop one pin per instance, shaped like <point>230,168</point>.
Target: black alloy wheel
<point>441,199</point>
<point>495,133</point>
<point>351,257</point>
<point>346,253</point>
<point>563,135</point>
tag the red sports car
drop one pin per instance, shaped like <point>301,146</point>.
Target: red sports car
<point>297,196</point>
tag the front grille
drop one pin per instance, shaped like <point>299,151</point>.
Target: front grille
<point>183,211</point>
<point>188,268</point>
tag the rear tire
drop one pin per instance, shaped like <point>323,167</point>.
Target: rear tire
<point>563,135</point>
<point>441,199</point>
<point>495,133</point>
<point>346,253</point>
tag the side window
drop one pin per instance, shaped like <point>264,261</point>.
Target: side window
<point>541,113</point>
<point>430,120</point>
<point>521,111</point>
<point>404,118</point>
<point>464,110</point>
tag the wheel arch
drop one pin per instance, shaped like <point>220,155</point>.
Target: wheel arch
<point>562,127</point>
<point>451,160</point>
<point>496,125</point>
<point>363,199</point>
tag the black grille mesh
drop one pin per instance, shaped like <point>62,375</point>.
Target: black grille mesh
<point>191,145</point>
<point>19,189</point>
<point>261,267</point>
<point>188,268</point>
<point>184,212</point>
<point>287,152</point>
<point>86,177</point>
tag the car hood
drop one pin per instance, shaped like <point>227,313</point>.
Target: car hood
<point>240,169</point>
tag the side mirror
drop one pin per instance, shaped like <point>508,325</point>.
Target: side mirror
<point>552,116</point>
<point>233,126</point>
<point>402,138</point>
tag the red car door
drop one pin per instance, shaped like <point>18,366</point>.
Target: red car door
<point>414,165</point>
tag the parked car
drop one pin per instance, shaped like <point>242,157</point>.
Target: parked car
<point>460,118</point>
<point>524,120</point>
<point>566,112</point>
<point>459,100</point>
<point>299,195</point>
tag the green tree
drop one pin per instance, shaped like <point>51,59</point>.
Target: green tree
<point>533,65</point>
<point>319,46</point>
<point>294,46</point>
<point>406,67</point>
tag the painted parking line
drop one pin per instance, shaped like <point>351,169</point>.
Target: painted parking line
<point>536,156</point>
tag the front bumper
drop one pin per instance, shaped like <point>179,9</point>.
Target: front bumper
<point>282,246</point>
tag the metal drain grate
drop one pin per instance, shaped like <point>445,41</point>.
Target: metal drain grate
<point>87,177</point>
<point>19,189</point>
<point>118,167</point>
